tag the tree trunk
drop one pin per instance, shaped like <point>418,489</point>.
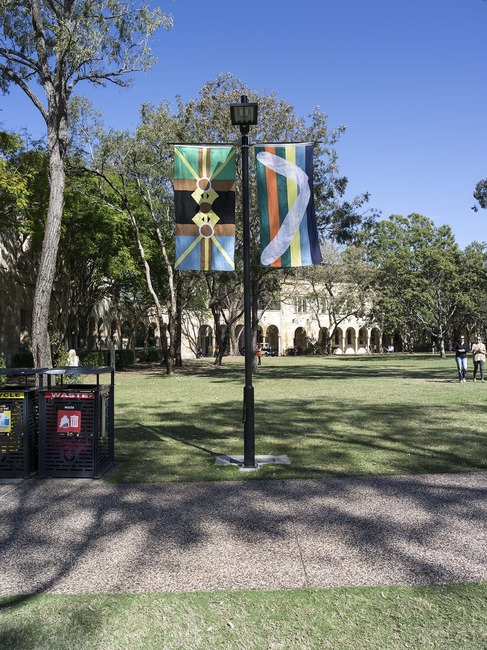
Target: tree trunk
<point>179,325</point>
<point>41,348</point>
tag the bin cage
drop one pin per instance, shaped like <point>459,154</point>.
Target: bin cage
<point>76,432</point>
<point>18,423</point>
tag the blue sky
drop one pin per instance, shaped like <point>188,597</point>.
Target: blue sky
<point>407,78</point>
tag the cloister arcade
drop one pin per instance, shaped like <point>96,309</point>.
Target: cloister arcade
<point>284,339</point>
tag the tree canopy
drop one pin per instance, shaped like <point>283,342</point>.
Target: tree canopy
<point>46,49</point>
<point>421,277</point>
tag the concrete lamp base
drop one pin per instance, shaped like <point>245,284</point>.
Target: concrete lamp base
<point>238,461</point>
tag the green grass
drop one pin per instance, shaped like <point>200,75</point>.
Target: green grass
<point>333,416</point>
<point>387,618</point>
<point>339,416</point>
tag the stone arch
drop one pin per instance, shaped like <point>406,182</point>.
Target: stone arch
<point>350,341</point>
<point>205,339</point>
<point>140,335</point>
<point>300,339</point>
<point>127,335</point>
<point>323,342</point>
<point>363,340</point>
<point>375,345</point>
<point>272,337</point>
<point>221,335</point>
<point>338,343</point>
<point>152,335</point>
<point>114,334</point>
<point>240,336</point>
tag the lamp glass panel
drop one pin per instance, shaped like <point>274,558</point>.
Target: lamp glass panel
<point>243,113</point>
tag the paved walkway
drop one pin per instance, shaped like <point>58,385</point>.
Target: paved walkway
<point>84,536</point>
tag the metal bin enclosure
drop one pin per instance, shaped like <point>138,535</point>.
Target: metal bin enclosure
<point>18,423</point>
<point>76,424</point>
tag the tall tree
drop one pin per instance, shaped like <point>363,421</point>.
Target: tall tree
<point>338,219</point>
<point>139,169</point>
<point>51,47</point>
<point>419,279</point>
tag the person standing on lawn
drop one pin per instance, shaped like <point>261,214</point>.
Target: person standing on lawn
<point>260,354</point>
<point>461,349</point>
<point>478,351</point>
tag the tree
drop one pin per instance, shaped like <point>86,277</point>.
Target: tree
<point>480,194</point>
<point>137,171</point>
<point>338,288</point>
<point>419,279</point>
<point>52,47</point>
<point>474,312</point>
<point>338,219</point>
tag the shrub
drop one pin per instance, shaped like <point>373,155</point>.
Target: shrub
<point>94,358</point>
<point>152,354</point>
<point>124,358</point>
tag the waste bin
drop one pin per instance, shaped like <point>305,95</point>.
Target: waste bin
<point>76,426</point>
<point>18,423</point>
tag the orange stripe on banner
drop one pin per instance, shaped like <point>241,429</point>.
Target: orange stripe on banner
<point>272,203</point>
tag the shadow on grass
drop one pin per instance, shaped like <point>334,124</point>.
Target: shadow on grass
<point>344,367</point>
<point>58,535</point>
<point>340,439</point>
<point>65,536</point>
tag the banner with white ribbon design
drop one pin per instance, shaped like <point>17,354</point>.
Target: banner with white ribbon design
<point>289,235</point>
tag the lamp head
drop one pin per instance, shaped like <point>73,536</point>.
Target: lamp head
<point>244,114</point>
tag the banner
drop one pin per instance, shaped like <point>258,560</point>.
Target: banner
<point>288,232</point>
<point>204,199</point>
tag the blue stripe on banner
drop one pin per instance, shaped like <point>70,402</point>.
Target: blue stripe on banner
<point>192,259</point>
<point>218,261</point>
<point>303,228</point>
<point>314,242</point>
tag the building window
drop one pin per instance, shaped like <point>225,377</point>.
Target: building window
<point>300,305</point>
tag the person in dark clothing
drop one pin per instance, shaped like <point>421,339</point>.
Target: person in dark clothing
<point>461,349</point>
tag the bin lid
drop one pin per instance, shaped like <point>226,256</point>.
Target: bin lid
<point>76,370</point>
<point>22,372</point>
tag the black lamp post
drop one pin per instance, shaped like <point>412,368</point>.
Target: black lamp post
<point>244,115</point>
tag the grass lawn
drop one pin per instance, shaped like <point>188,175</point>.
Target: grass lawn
<point>388,618</point>
<point>338,416</point>
<point>333,416</point>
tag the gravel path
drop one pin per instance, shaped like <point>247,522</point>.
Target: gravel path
<point>84,536</point>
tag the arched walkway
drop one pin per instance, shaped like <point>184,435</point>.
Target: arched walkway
<point>272,337</point>
<point>205,339</point>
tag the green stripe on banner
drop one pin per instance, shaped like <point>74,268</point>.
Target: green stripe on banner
<point>263,202</point>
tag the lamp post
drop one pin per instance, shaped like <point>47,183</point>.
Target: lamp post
<point>244,114</point>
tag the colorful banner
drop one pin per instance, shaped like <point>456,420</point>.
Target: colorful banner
<point>288,232</point>
<point>204,198</point>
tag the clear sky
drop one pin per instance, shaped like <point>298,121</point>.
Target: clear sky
<point>406,77</point>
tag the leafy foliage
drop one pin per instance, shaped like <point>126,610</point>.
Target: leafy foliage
<point>422,279</point>
<point>480,195</point>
